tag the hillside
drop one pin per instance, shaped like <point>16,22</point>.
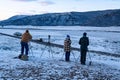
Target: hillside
<point>93,18</point>
<point>108,19</point>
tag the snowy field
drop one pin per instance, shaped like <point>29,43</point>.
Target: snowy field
<point>106,39</point>
<point>48,63</point>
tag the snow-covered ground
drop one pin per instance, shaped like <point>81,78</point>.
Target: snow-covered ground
<point>48,63</point>
<point>105,39</point>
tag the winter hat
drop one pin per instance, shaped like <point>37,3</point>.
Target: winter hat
<point>84,34</point>
<point>27,31</point>
<point>68,36</point>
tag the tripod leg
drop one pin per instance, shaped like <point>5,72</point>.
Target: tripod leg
<point>51,51</point>
<point>73,55</point>
<point>90,59</point>
<point>43,52</point>
<point>62,55</point>
<point>30,49</point>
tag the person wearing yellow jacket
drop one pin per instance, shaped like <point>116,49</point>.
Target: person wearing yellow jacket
<point>67,48</point>
<point>26,37</point>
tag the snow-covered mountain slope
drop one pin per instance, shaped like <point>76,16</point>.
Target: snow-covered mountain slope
<point>93,18</point>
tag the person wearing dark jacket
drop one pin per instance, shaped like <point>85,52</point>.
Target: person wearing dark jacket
<point>26,37</point>
<point>67,48</point>
<point>84,42</point>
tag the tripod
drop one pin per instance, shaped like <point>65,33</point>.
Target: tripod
<point>90,63</point>
<point>76,59</point>
<point>70,53</point>
<point>30,49</point>
<point>48,45</point>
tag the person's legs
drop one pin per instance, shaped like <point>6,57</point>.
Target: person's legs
<point>22,48</point>
<point>83,57</point>
<point>67,56</point>
<point>27,48</point>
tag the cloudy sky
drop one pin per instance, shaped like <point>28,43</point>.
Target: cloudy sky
<point>9,8</point>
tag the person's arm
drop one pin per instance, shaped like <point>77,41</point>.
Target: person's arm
<point>70,42</point>
<point>80,41</point>
<point>87,41</point>
<point>64,44</point>
<point>30,37</point>
<point>22,36</point>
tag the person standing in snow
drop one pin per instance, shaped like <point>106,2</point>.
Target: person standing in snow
<point>26,37</point>
<point>67,48</point>
<point>83,42</point>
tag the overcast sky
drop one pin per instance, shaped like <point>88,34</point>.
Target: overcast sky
<point>9,8</point>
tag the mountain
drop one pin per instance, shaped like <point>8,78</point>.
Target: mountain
<point>93,18</point>
<point>108,19</point>
<point>17,17</point>
<point>13,18</point>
